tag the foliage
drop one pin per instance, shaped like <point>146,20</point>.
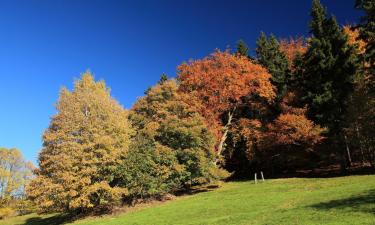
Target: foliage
<point>252,112</point>
<point>361,110</point>
<point>270,56</point>
<point>242,48</point>
<point>163,78</point>
<point>291,48</point>
<point>173,143</point>
<point>6,212</point>
<point>289,135</point>
<point>150,169</point>
<point>367,33</point>
<point>222,83</point>
<point>292,127</point>
<point>15,173</point>
<point>354,39</point>
<point>82,147</point>
<point>329,67</point>
<point>361,121</point>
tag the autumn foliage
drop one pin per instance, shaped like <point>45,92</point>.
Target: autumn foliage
<point>178,136</point>
<point>225,112</point>
<point>292,127</point>
<point>293,46</point>
<point>222,82</point>
<point>222,79</point>
<point>82,148</point>
<point>354,39</point>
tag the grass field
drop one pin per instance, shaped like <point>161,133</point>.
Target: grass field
<point>344,200</point>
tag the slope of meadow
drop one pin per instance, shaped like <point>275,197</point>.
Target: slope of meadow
<point>343,200</point>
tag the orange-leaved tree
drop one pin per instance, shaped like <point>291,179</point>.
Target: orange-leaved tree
<point>354,39</point>
<point>292,127</point>
<point>292,48</point>
<point>223,82</point>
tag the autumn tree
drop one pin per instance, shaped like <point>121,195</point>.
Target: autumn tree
<point>15,173</point>
<point>173,142</point>
<point>360,120</point>
<point>361,110</point>
<point>365,92</point>
<point>222,83</point>
<point>291,136</point>
<point>275,61</point>
<point>354,39</point>
<point>292,128</point>
<point>82,147</point>
<point>293,47</point>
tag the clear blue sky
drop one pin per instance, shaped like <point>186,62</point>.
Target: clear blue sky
<point>46,44</point>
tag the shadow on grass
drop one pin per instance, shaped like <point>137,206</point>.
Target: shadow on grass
<point>53,220</point>
<point>196,190</point>
<point>363,203</point>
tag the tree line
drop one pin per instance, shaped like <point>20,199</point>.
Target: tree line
<point>295,104</point>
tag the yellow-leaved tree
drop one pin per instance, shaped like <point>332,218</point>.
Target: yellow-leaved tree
<point>15,173</point>
<point>82,147</point>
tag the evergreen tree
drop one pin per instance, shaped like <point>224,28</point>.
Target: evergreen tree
<point>242,48</point>
<point>367,33</point>
<point>82,149</point>
<point>329,66</point>
<point>163,78</point>
<point>296,80</point>
<point>271,57</point>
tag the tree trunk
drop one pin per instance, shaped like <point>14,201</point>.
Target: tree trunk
<point>348,151</point>
<point>225,134</point>
<point>360,144</point>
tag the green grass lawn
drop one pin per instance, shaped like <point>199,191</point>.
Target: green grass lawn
<point>344,200</point>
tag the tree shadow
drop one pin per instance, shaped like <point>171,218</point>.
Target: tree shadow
<point>196,190</point>
<point>364,203</point>
<point>55,220</point>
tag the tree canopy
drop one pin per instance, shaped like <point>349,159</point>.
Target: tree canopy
<point>82,147</point>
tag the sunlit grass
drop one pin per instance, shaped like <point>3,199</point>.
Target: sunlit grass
<point>344,200</point>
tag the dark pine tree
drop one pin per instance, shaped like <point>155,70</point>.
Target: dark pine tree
<point>242,48</point>
<point>367,33</point>
<point>269,55</point>
<point>163,78</point>
<point>295,81</point>
<point>330,64</point>
<point>328,71</point>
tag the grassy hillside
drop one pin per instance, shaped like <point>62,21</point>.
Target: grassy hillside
<point>344,200</point>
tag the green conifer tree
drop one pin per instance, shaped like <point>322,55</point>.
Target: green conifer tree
<point>163,78</point>
<point>269,55</point>
<point>242,48</point>
<point>367,33</point>
<point>329,66</point>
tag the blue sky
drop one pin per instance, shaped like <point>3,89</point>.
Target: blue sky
<point>46,44</point>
